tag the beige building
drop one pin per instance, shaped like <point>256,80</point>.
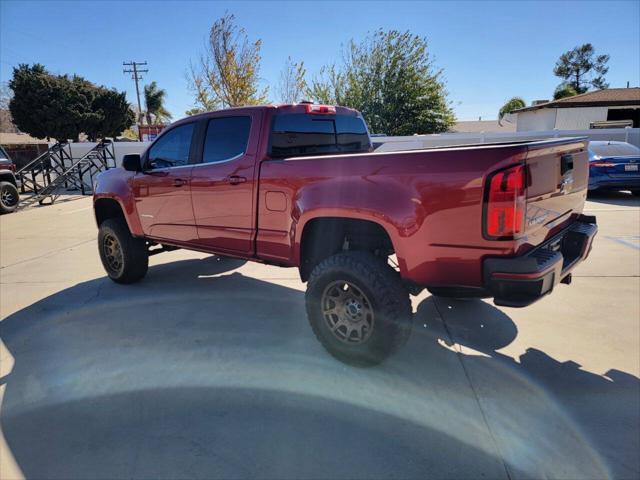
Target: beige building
<point>615,107</point>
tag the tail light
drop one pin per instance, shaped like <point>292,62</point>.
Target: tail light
<point>602,164</point>
<point>321,109</point>
<point>505,203</point>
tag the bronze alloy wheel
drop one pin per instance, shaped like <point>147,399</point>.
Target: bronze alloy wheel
<point>125,258</point>
<point>113,253</point>
<point>347,312</point>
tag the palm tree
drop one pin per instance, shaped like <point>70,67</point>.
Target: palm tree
<point>154,100</point>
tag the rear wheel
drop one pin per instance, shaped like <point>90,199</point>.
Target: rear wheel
<point>9,197</point>
<point>358,308</point>
<point>124,257</point>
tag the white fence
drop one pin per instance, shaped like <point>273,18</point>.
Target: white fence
<point>414,142</point>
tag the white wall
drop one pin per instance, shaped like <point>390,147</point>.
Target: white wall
<point>579,118</point>
<point>541,119</point>
<point>120,149</point>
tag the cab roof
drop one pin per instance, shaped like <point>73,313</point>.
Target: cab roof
<point>300,108</point>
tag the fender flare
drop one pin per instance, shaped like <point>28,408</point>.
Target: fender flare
<point>298,227</point>
<point>128,209</point>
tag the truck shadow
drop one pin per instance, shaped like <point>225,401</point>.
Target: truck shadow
<point>198,371</point>
<point>535,399</point>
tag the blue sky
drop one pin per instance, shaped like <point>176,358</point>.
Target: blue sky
<point>489,51</point>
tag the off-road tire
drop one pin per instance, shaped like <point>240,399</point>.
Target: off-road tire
<point>135,257</point>
<point>389,300</point>
<point>9,197</point>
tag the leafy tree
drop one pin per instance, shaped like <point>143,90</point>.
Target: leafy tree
<point>564,90</point>
<point>62,107</point>
<point>130,134</point>
<point>46,105</point>
<point>391,79</point>
<point>227,73</point>
<point>328,86</point>
<point>512,104</point>
<point>154,100</point>
<point>582,68</point>
<point>292,85</point>
<point>112,114</point>
<point>194,111</point>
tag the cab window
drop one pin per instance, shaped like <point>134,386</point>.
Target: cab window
<point>226,138</point>
<point>172,148</point>
<point>296,134</point>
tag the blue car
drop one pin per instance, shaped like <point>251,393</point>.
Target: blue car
<point>614,166</point>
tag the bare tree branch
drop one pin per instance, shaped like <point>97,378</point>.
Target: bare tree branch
<point>292,85</point>
<point>227,73</point>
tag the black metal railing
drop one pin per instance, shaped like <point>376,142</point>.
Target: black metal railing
<point>51,174</point>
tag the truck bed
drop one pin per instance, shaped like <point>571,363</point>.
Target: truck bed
<point>430,201</point>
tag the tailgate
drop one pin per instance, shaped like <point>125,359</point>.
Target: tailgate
<point>558,176</point>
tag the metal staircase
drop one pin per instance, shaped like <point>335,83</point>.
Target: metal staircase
<point>37,174</point>
<point>56,171</point>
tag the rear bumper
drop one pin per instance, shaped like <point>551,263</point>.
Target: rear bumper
<point>606,182</point>
<point>520,281</point>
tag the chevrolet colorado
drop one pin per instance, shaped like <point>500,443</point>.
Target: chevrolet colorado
<point>299,186</point>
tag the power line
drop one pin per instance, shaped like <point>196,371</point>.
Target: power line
<point>136,77</point>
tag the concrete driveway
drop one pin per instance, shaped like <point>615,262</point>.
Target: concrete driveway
<point>207,368</point>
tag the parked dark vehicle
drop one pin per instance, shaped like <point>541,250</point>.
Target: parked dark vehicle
<point>9,196</point>
<point>299,186</point>
<point>614,166</point>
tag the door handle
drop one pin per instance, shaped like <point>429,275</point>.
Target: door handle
<point>179,182</point>
<point>235,179</point>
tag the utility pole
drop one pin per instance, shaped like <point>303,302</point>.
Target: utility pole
<point>135,76</point>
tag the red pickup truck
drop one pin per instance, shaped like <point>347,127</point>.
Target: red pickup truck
<point>300,186</point>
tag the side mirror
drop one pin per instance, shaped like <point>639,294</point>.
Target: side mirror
<point>131,162</point>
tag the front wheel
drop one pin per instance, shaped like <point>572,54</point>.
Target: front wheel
<point>124,257</point>
<point>9,197</point>
<point>358,308</point>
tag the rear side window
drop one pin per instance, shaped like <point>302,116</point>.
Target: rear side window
<point>226,138</point>
<point>301,134</point>
<point>172,148</point>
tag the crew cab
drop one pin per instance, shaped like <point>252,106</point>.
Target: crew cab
<point>300,186</point>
